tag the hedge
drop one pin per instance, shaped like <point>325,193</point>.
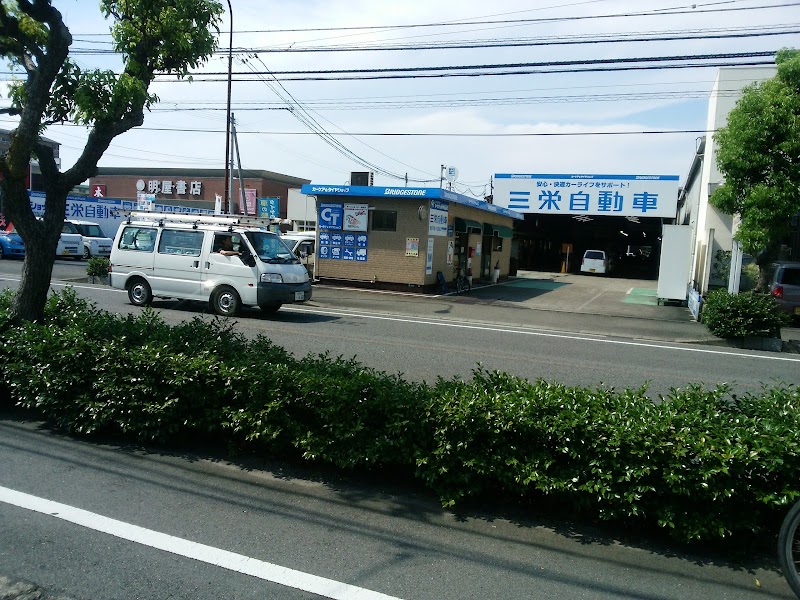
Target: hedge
<point>699,464</point>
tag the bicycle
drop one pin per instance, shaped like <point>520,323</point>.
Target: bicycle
<point>789,548</point>
<point>461,282</point>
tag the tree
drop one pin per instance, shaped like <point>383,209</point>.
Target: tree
<point>154,37</point>
<point>759,155</point>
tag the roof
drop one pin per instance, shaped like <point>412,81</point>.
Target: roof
<point>194,172</point>
<point>406,193</point>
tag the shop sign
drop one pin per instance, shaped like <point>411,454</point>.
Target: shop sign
<point>167,187</point>
<point>437,222</point>
<point>578,194</point>
<point>330,216</point>
<point>355,217</point>
<point>429,258</point>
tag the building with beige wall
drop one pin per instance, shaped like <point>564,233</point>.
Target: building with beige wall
<point>391,237</point>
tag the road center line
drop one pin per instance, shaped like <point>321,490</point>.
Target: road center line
<point>231,561</point>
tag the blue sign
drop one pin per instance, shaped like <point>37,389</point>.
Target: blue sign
<point>331,216</point>
<point>324,251</point>
<point>348,254</point>
<point>361,241</point>
<point>269,207</point>
<point>336,239</point>
<point>324,238</point>
<point>349,240</point>
<point>336,253</point>
<point>361,255</point>
<point>400,193</point>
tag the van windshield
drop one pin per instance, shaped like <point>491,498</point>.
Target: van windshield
<point>270,248</point>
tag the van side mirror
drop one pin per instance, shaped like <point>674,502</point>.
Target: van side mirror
<point>247,257</point>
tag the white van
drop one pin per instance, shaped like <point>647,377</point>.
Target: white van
<point>162,255</point>
<point>95,242</point>
<point>304,246</point>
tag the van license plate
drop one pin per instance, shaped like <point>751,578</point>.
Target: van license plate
<point>299,296</point>
<point>591,270</point>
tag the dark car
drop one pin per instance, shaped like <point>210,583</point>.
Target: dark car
<point>784,285</point>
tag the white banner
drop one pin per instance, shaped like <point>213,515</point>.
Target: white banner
<point>609,195</point>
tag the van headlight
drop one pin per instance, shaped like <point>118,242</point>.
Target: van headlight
<point>271,278</point>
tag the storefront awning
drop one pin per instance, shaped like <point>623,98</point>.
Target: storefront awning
<point>467,225</point>
<point>497,230</point>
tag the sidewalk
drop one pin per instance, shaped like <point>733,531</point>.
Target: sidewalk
<point>589,295</point>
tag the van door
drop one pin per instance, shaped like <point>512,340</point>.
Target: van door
<point>221,268</point>
<point>176,272</point>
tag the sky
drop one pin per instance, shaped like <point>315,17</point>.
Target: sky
<point>297,114</point>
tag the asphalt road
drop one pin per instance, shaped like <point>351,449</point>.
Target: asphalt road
<point>532,335</point>
<point>375,538</point>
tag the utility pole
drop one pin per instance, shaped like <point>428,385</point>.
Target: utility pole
<point>226,202</point>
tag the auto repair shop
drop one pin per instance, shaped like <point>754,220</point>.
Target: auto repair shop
<point>568,214</point>
<point>407,236</point>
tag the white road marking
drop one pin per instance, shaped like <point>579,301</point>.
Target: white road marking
<point>564,336</point>
<point>231,561</point>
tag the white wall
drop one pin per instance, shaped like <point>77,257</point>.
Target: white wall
<point>712,227</point>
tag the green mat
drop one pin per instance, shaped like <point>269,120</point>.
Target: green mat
<point>641,296</point>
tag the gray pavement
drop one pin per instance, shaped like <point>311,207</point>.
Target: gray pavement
<point>622,300</point>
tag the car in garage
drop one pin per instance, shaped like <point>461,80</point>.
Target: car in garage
<point>11,245</point>
<point>597,262</point>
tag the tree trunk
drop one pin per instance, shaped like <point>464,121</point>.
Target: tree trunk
<point>764,262</point>
<point>37,268</point>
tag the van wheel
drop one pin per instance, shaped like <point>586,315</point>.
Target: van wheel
<point>270,308</point>
<point>139,292</point>
<point>226,302</point>
<point>86,254</point>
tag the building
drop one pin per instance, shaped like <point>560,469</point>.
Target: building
<point>35,183</point>
<point>713,230</point>
<point>408,237</point>
<point>197,188</point>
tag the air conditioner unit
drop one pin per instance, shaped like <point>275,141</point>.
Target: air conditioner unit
<point>362,178</point>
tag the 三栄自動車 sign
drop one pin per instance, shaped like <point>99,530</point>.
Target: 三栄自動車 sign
<point>578,194</point>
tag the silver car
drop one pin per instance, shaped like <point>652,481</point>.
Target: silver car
<point>785,286</point>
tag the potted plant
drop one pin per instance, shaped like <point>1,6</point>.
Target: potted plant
<point>97,269</point>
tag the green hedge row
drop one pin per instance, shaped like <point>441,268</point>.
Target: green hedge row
<point>701,464</point>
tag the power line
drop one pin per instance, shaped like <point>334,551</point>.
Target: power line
<point>658,12</point>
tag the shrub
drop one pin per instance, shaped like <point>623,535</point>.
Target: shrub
<point>97,266</point>
<point>701,464</point>
<point>742,315</point>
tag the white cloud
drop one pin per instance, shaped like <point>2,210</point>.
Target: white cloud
<point>477,158</point>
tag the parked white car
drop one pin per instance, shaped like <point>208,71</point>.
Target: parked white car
<point>95,241</point>
<point>70,245</point>
<point>304,246</point>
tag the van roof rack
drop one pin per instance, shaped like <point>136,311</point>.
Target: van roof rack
<point>200,219</point>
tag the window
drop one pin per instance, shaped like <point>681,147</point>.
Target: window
<point>138,238</point>
<point>791,276</point>
<point>179,241</point>
<point>384,220</point>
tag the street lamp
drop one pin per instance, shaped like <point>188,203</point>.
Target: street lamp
<point>227,200</point>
